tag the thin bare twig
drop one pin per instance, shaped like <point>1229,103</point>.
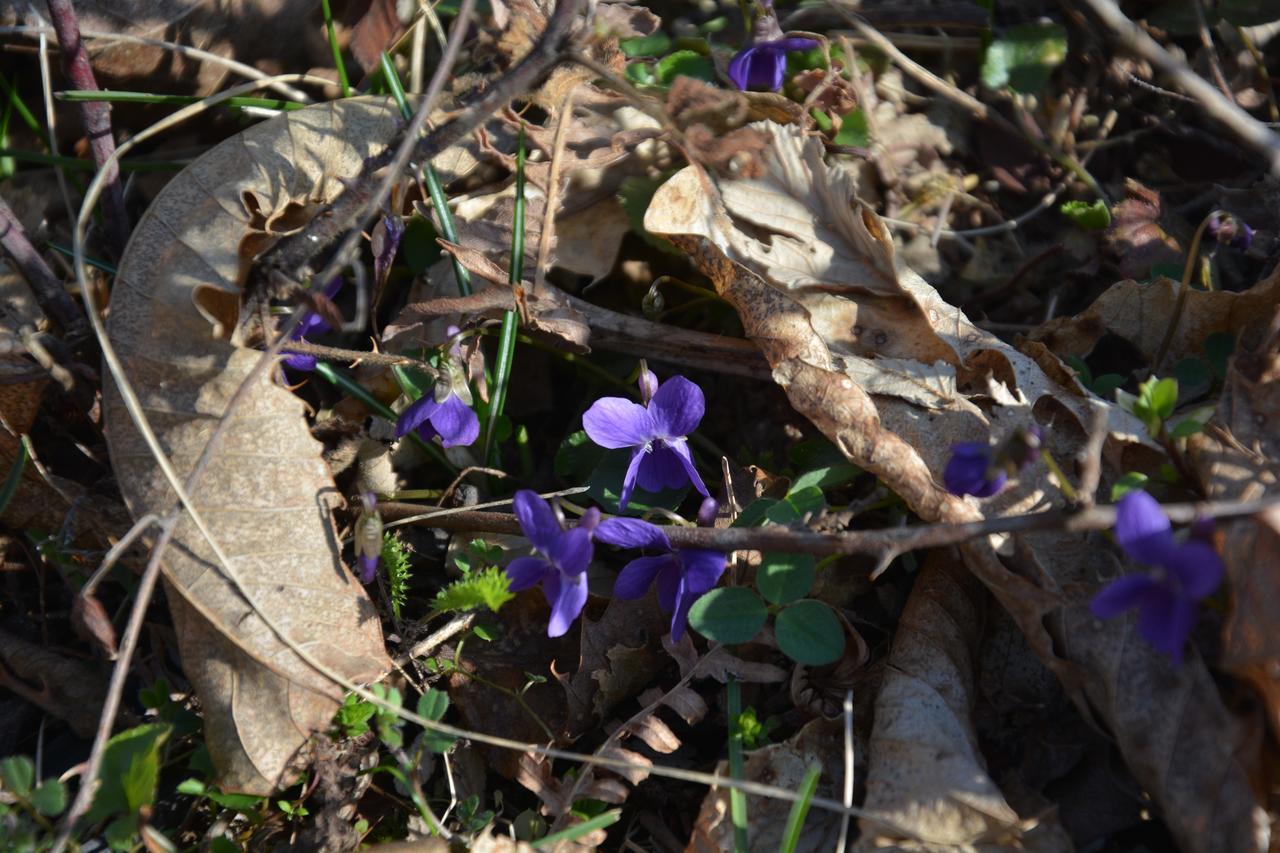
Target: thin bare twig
<point>351,355</point>
<point>97,120</point>
<point>1231,116</point>
<point>1091,455</point>
<point>111,705</point>
<point>48,289</point>
<point>889,541</point>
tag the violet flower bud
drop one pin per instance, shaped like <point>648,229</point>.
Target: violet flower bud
<point>368,538</point>
<point>1231,231</point>
<point>708,511</point>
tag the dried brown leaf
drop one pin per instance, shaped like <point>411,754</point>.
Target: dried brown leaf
<point>1141,313</point>
<point>70,689</point>
<point>926,770</point>
<point>267,494</point>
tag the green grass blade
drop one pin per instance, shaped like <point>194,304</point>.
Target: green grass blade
<point>392,80</point>
<point>340,380</point>
<point>337,51</point>
<point>25,114</point>
<point>438,201</point>
<point>576,831</point>
<point>76,96</point>
<point>11,482</point>
<point>800,809</point>
<point>737,799</point>
<point>93,262</point>
<point>510,325</point>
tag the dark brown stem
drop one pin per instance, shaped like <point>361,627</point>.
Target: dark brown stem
<point>890,541</point>
<point>48,289</point>
<point>97,120</point>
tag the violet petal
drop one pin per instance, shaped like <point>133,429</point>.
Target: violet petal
<point>414,416</point>
<point>677,408</point>
<point>632,533</point>
<point>636,576</point>
<point>567,596</point>
<point>1197,567</point>
<point>1142,529</point>
<point>526,572</point>
<point>613,422</point>
<point>536,520</point>
<point>1120,595</point>
<point>456,423</point>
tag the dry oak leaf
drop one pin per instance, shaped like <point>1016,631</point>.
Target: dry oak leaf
<point>267,494</point>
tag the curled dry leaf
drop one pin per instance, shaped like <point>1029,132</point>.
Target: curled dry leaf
<point>1140,313</point>
<point>810,270</point>
<point>267,494</point>
<point>926,770</point>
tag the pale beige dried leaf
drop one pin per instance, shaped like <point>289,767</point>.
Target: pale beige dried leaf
<point>634,774</point>
<point>685,701</point>
<point>1141,313</point>
<point>932,386</point>
<point>656,734</point>
<point>267,495</point>
<point>926,772</point>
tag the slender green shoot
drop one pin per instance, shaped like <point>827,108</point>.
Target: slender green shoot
<point>76,96</point>
<point>392,79</point>
<point>578,830</point>
<point>438,201</point>
<point>340,380</point>
<point>737,799</point>
<point>7,164</point>
<point>510,326</point>
<point>337,51</point>
<point>93,262</point>
<point>32,123</point>
<point>800,809</point>
<point>11,482</point>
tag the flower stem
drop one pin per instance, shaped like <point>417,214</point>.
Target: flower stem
<point>1192,255</point>
<point>1063,483</point>
<point>737,799</point>
<point>510,326</point>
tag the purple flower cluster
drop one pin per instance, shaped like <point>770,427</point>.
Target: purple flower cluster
<point>560,567</point>
<point>1182,574</point>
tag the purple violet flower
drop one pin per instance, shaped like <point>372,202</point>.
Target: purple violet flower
<point>1231,231</point>
<point>445,412</point>
<point>368,537</point>
<point>657,433</point>
<point>763,63</point>
<point>1168,597</point>
<point>683,575</point>
<point>980,470</point>
<point>561,564</point>
<point>312,324</point>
